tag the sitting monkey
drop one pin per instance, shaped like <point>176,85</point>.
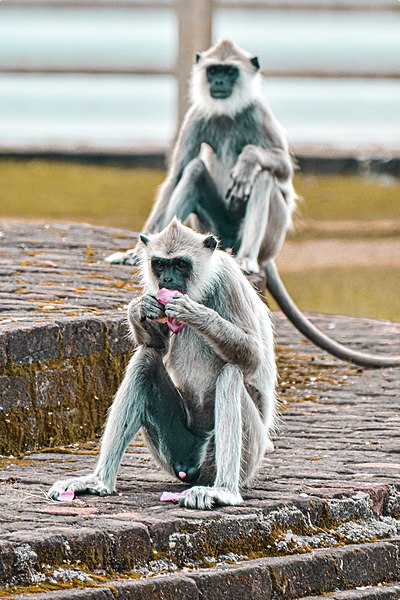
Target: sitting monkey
<point>204,397</point>
<point>231,171</point>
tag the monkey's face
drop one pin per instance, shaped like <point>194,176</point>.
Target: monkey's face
<point>172,273</point>
<point>222,80</point>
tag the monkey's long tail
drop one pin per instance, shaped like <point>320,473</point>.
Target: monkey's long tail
<point>281,295</point>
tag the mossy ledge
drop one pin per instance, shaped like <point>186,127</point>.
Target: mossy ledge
<point>57,381</point>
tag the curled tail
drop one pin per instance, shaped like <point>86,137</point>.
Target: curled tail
<point>280,294</point>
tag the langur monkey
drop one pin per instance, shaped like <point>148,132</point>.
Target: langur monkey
<point>204,397</point>
<point>231,171</point>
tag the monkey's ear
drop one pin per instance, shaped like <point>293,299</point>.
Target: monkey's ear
<point>198,56</point>
<point>255,62</point>
<point>144,238</point>
<point>210,242</point>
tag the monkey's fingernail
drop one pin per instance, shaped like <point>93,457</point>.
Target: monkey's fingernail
<point>182,474</point>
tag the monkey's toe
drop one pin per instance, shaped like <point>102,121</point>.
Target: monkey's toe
<point>124,258</point>
<point>89,484</point>
<point>248,265</point>
<point>206,498</point>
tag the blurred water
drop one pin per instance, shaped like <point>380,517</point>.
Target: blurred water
<point>125,111</point>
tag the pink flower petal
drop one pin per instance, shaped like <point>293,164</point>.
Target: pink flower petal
<point>173,496</point>
<point>164,295</point>
<point>65,496</point>
<point>174,325</point>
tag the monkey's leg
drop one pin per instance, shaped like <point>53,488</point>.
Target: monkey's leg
<point>165,422</point>
<point>229,394</point>
<point>124,421</point>
<point>255,222</point>
<point>196,193</point>
<point>145,397</point>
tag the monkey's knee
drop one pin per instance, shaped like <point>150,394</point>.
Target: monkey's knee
<point>195,169</point>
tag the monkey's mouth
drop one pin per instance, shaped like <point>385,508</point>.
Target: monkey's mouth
<point>219,94</point>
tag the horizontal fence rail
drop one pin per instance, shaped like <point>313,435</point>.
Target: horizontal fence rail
<point>376,5</point>
<point>195,20</point>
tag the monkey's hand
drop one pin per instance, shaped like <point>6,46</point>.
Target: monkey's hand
<point>185,310</point>
<point>243,176</point>
<point>145,308</point>
<point>142,315</point>
<point>89,484</point>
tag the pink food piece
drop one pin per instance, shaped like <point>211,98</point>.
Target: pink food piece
<point>173,496</point>
<point>65,496</point>
<point>164,296</point>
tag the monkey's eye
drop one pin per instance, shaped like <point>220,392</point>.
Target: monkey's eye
<point>212,70</point>
<point>231,71</point>
<point>182,265</point>
<point>157,265</point>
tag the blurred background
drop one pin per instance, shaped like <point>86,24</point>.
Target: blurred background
<point>92,91</point>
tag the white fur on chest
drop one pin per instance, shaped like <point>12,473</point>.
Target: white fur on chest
<point>219,167</point>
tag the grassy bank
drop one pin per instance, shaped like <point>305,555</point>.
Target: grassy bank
<point>337,207</point>
<point>122,197</point>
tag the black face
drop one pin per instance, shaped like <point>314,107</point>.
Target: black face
<point>172,273</point>
<point>222,79</point>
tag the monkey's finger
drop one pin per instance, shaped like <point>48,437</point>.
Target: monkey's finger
<point>247,191</point>
<point>233,190</point>
<point>229,192</point>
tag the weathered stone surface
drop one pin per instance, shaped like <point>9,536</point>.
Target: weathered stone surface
<point>63,335</point>
<point>333,478</point>
<point>56,387</point>
<point>386,592</point>
<point>34,344</point>
<point>81,338</point>
<point>168,589</point>
<point>14,392</point>
<point>232,583</point>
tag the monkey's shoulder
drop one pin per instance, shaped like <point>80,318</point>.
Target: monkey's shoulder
<point>249,126</point>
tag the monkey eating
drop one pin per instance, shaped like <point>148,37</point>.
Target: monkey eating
<point>231,171</point>
<point>204,397</point>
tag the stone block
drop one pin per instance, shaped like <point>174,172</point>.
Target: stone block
<point>172,588</point>
<point>6,562</point>
<point>369,564</point>
<point>15,392</point>
<point>3,350</point>
<point>34,344</point>
<point>56,387</point>
<point>130,547</point>
<point>298,576</point>
<point>118,338</point>
<point>233,583</point>
<point>82,337</point>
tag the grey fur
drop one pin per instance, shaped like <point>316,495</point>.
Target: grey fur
<point>238,146</point>
<point>222,363</point>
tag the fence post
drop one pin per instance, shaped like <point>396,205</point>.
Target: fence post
<point>195,34</point>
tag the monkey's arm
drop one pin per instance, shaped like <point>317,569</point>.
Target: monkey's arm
<point>146,332</point>
<point>233,344</point>
<point>186,148</point>
<point>251,161</point>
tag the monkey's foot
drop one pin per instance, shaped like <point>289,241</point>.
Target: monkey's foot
<point>206,498</point>
<point>124,258</point>
<point>89,484</point>
<point>269,447</point>
<point>248,265</point>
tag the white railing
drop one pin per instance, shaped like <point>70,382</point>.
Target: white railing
<point>195,31</point>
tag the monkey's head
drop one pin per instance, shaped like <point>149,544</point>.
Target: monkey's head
<point>178,258</point>
<point>225,79</point>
